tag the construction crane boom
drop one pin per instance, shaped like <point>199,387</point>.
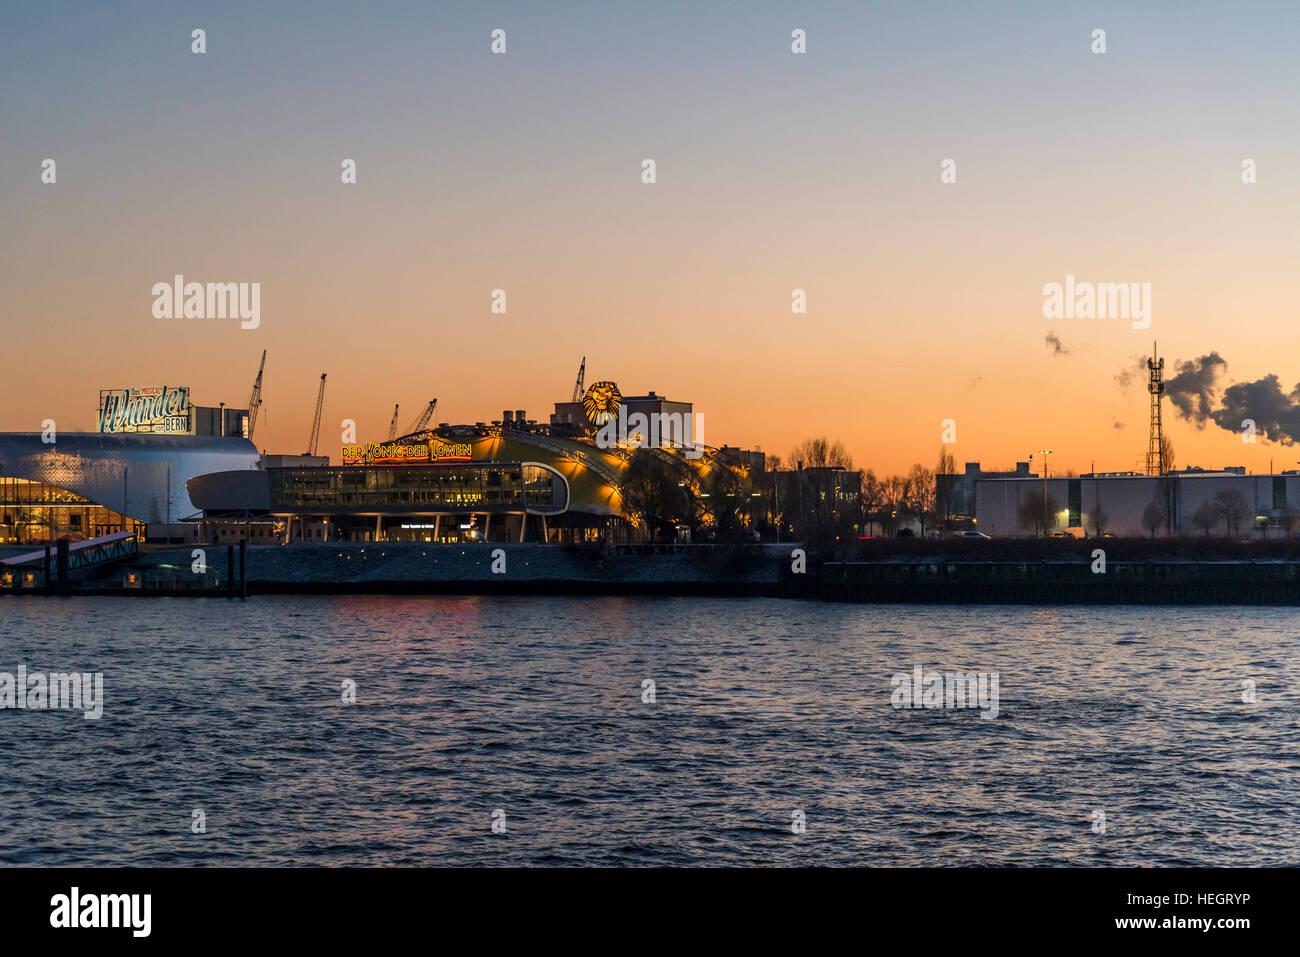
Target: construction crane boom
<point>392,426</point>
<point>255,400</point>
<point>581,381</point>
<point>424,417</point>
<point>315,424</point>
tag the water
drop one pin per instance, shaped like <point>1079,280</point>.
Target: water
<point>534,706</point>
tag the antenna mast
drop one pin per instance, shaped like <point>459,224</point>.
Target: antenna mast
<point>1156,464</point>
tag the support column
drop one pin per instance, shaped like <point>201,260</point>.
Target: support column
<point>487,526</point>
<point>437,521</point>
<point>546,535</point>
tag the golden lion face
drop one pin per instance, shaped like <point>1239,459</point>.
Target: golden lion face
<point>601,402</point>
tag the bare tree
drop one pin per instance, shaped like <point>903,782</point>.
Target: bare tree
<point>1155,516</point>
<point>731,505</point>
<point>1232,508</point>
<point>1205,517</point>
<point>920,494</point>
<point>1167,452</point>
<point>1037,512</point>
<point>945,484</point>
<point>653,496</point>
<point>872,498</point>
<point>826,493</point>
<point>893,500</point>
<point>821,453</point>
<point>1100,519</point>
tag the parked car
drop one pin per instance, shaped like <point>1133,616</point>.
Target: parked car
<point>973,534</point>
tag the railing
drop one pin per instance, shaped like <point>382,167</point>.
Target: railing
<point>91,552</point>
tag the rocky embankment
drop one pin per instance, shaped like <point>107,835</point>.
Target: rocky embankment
<point>516,568</point>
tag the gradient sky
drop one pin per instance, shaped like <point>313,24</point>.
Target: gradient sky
<point>775,171</point>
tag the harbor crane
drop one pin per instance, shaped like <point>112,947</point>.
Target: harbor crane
<point>315,423</point>
<point>423,419</point>
<point>581,381</point>
<point>255,400</point>
<point>392,426</point>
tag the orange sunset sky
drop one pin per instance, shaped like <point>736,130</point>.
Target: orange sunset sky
<point>775,171</point>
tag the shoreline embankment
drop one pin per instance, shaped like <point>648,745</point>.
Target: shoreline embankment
<point>1100,572</point>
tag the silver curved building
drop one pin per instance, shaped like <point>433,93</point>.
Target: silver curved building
<point>88,483</point>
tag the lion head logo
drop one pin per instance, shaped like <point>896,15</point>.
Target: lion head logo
<point>601,402</point>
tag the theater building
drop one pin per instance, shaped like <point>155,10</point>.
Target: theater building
<point>175,473</point>
<point>513,480</point>
<point>130,475</point>
<point>85,484</point>
<point>449,484</point>
<point>451,502</point>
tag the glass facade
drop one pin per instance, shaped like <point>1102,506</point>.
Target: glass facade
<point>33,513</point>
<point>395,490</point>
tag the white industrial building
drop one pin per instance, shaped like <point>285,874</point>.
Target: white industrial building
<point>1116,503</point>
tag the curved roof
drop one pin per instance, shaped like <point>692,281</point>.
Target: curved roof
<point>140,476</point>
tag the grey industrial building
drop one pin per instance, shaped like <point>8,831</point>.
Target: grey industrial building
<point>1117,503</point>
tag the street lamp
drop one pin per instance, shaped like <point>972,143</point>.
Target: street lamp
<point>1045,453</point>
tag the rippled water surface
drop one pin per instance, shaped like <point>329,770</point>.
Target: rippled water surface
<point>534,706</point>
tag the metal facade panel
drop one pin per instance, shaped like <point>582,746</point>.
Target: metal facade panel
<point>140,476</point>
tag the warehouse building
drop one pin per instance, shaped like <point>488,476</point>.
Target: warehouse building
<point>1188,502</point>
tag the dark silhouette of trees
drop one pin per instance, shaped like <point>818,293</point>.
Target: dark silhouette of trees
<point>893,500</point>
<point>653,494</point>
<point>1100,519</point>
<point>919,495</point>
<point>1205,517</point>
<point>944,485</point>
<point>1037,511</point>
<point>821,453</point>
<point>1232,508</point>
<point>826,497</point>
<point>1155,516</point>
<point>871,498</point>
<point>730,504</point>
<point>1167,452</point>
